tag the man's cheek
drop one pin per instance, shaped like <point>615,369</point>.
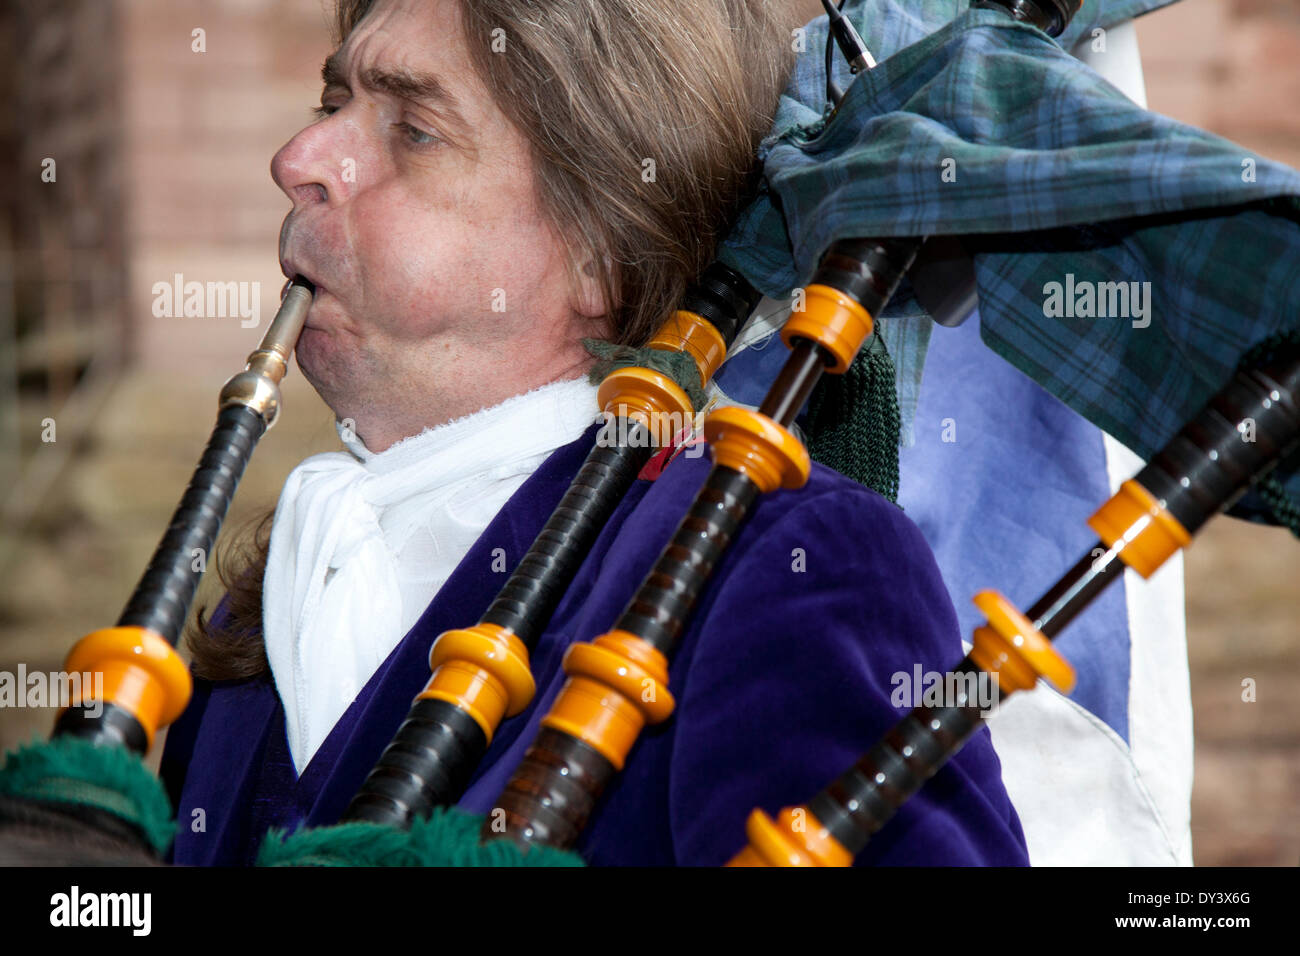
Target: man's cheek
<point>325,358</point>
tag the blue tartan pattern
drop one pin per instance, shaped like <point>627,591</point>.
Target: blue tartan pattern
<point>1059,178</point>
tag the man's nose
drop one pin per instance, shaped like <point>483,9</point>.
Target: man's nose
<point>312,167</point>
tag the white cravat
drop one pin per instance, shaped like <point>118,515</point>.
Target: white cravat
<point>361,543</point>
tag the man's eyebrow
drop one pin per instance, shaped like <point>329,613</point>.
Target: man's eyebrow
<point>331,72</point>
<point>400,82</point>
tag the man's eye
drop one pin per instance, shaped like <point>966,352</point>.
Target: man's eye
<point>416,136</point>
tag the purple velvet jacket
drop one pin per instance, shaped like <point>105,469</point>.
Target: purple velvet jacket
<point>782,679</point>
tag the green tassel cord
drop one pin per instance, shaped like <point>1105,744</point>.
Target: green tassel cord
<point>853,419</point>
<point>448,837</point>
<point>854,424</point>
<point>679,366</point>
<point>74,771</point>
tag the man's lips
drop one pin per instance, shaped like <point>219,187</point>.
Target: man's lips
<point>316,289</point>
<point>290,268</point>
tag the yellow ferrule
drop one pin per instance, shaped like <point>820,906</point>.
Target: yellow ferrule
<point>617,684</point>
<point>695,335</point>
<point>654,400</point>
<point>794,838</point>
<point>483,670</point>
<point>1147,534</point>
<point>758,447</point>
<point>832,320</point>
<point>1014,651</point>
<point>141,673</point>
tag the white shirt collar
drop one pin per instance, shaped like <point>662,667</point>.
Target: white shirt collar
<point>362,541</point>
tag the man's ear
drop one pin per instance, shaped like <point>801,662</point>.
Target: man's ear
<point>589,294</point>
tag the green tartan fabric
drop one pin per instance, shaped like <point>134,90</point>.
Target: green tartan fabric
<point>1124,261</point>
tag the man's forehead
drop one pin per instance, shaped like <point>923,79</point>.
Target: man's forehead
<point>411,50</point>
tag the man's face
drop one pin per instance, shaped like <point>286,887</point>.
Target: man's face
<point>414,213</point>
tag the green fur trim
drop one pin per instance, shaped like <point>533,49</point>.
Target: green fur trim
<point>71,770</point>
<point>447,838</point>
<point>678,366</point>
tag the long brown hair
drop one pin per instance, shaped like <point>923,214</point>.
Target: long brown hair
<point>232,648</point>
<point>643,119</point>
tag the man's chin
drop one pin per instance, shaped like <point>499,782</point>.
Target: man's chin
<point>315,366</point>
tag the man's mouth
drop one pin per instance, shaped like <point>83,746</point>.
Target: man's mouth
<point>290,268</point>
<point>316,289</point>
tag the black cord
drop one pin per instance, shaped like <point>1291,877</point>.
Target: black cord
<point>833,93</point>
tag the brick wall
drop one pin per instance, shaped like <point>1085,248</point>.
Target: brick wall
<point>201,130</point>
<point>1228,66</point>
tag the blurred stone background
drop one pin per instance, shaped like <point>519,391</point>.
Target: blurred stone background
<point>162,162</point>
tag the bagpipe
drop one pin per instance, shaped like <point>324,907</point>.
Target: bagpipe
<point>89,779</point>
<point>86,783</point>
<point>1241,434</point>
